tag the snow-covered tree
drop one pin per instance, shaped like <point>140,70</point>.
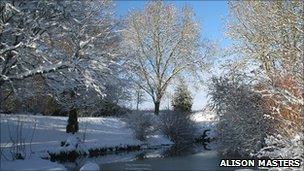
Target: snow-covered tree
<point>271,34</point>
<point>161,43</point>
<point>70,44</point>
<point>182,100</point>
<point>269,31</point>
<point>89,41</point>
<point>22,26</point>
<point>241,126</point>
<point>118,89</point>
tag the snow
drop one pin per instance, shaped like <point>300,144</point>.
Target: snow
<point>49,135</point>
<point>206,119</point>
<point>41,69</point>
<point>155,140</point>
<point>104,132</point>
<point>103,159</point>
<point>72,142</point>
<point>50,131</point>
<point>282,148</point>
<point>31,164</point>
<point>89,166</point>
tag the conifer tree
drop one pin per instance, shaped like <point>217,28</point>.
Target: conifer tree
<point>182,100</point>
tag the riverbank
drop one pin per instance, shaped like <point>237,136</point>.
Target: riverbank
<point>46,134</point>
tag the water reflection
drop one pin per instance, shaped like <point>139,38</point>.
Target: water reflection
<point>205,160</point>
<point>142,155</point>
<point>178,150</point>
<point>171,151</point>
<point>137,166</point>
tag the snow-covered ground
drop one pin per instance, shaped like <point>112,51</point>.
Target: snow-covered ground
<point>50,131</point>
<point>89,166</point>
<point>45,133</point>
<point>206,120</point>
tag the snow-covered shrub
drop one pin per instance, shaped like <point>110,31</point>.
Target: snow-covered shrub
<point>182,100</point>
<point>278,147</point>
<point>72,142</point>
<point>178,127</point>
<point>141,123</point>
<point>241,126</point>
<point>283,96</point>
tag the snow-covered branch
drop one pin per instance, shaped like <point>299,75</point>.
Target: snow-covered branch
<point>39,70</point>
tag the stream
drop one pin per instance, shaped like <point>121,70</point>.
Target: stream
<point>196,157</point>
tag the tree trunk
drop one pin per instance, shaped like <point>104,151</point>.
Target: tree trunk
<point>137,105</point>
<point>156,109</point>
<point>137,101</point>
<point>72,126</point>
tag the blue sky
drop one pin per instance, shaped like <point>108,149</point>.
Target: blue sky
<point>211,17</point>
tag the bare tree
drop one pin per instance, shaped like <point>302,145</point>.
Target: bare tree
<point>139,96</point>
<point>161,43</point>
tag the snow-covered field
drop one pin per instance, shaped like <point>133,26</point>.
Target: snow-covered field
<point>45,133</point>
<point>50,131</point>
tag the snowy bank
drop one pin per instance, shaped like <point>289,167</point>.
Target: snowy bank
<point>46,134</point>
<point>89,166</point>
<point>49,133</point>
